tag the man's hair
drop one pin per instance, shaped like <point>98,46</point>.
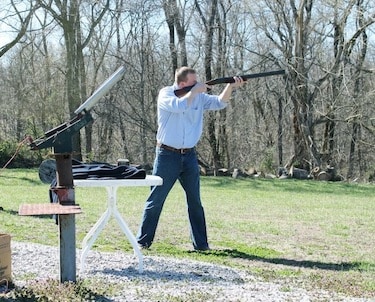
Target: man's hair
<point>182,72</point>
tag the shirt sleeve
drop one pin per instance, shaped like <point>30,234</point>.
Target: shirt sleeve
<point>168,101</point>
<point>212,102</point>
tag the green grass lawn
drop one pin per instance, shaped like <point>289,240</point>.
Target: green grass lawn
<point>316,234</point>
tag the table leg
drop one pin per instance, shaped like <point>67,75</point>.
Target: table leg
<point>124,227</point>
<point>132,239</point>
<point>92,235</point>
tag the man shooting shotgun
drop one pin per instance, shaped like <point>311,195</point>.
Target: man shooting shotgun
<point>180,125</point>
<point>182,91</point>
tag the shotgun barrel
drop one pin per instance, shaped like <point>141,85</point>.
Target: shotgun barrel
<point>181,92</point>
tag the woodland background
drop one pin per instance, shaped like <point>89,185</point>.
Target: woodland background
<point>55,53</point>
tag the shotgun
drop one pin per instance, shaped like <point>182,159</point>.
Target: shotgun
<point>181,92</point>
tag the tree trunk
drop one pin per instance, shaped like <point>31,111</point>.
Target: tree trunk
<point>280,131</point>
<point>211,118</point>
<point>357,93</point>
<point>71,27</point>
<point>305,151</point>
<point>170,19</point>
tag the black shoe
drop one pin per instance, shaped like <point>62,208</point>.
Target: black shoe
<point>143,246</point>
<point>202,249</point>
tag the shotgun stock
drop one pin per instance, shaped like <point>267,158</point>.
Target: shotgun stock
<point>181,92</point>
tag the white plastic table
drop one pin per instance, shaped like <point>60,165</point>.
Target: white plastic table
<point>111,185</point>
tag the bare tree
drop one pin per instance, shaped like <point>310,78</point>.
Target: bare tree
<point>176,16</point>
<point>295,32</point>
<point>361,38</point>
<point>68,15</point>
<point>18,19</point>
<point>322,114</point>
<point>135,105</point>
<point>208,16</point>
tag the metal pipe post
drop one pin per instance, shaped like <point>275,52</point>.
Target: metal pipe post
<point>67,231</point>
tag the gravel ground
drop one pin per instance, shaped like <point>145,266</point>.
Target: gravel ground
<point>163,279</point>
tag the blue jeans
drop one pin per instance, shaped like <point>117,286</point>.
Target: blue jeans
<point>171,166</point>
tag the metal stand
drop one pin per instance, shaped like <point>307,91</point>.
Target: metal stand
<point>60,139</point>
<point>65,209</point>
<point>67,225</point>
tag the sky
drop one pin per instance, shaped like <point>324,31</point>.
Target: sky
<point>5,36</point>
<point>4,39</point>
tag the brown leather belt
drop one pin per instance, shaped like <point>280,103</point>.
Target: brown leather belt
<point>180,151</point>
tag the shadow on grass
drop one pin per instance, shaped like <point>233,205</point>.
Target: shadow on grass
<point>343,266</point>
<point>10,212</point>
<point>13,212</point>
<point>23,179</point>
